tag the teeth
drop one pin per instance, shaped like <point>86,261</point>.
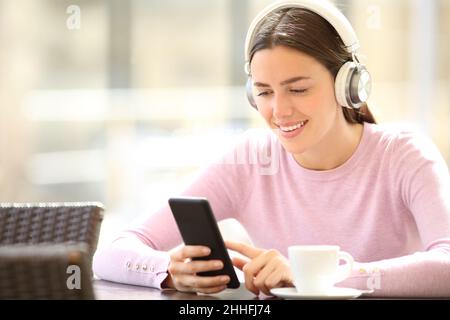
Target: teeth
<point>292,128</point>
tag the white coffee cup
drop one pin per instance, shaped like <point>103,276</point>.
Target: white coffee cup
<point>316,268</point>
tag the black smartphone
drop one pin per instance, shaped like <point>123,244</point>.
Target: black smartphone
<point>198,226</point>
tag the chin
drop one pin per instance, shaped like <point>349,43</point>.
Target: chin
<point>293,148</point>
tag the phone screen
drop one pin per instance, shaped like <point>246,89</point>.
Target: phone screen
<point>198,226</point>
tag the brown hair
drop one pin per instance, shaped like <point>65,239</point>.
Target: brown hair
<point>311,34</point>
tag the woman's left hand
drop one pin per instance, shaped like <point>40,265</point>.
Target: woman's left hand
<point>265,270</point>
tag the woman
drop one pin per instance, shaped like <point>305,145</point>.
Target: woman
<point>383,195</point>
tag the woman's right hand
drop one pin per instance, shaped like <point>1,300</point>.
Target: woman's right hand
<point>183,271</point>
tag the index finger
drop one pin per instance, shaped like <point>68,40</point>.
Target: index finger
<point>191,252</point>
<point>245,249</point>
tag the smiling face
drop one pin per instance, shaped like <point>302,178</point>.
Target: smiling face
<point>295,95</point>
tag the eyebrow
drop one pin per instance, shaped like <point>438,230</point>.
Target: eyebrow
<point>283,83</point>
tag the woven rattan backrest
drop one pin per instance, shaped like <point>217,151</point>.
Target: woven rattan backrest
<point>45,271</point>
<point>51,223</point>
<point>39,242</point>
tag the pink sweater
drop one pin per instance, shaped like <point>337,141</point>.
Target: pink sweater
<point>388,206</point>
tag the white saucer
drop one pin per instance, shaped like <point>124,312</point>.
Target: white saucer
<point>333,294</point>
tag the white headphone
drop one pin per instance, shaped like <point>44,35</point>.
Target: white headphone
<point>353,82</point>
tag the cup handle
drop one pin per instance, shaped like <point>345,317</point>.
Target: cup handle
<point>345,270</point>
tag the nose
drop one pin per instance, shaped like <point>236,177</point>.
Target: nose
<point>282,107</point>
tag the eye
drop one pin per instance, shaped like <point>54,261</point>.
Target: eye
<point>298,90</point>
<point>261,94</point>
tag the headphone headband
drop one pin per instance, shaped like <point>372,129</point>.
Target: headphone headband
<point>323,8</point>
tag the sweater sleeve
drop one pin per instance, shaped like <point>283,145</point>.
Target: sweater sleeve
<point>140,255</point>
<point>422,177</point>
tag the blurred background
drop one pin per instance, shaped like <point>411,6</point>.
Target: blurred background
<point>123,101</point>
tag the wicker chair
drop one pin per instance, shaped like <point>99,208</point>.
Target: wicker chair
<point>45,271</point>
<point>51,223</point>
<point>34,234</point>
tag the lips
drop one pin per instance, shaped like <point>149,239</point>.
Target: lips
<point>289,127</point>
<point>290,130</point>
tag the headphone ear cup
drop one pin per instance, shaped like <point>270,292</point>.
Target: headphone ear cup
<point>342,84</point>
<point>248,88</point>
<point>360,86</point>
<point>352,85</point>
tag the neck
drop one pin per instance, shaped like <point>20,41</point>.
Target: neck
<point>336,147</point>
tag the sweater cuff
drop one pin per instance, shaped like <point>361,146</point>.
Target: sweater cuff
<point>148,270</point>
<point>364,276</point>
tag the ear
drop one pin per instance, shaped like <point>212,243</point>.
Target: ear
<point>249,90</point>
